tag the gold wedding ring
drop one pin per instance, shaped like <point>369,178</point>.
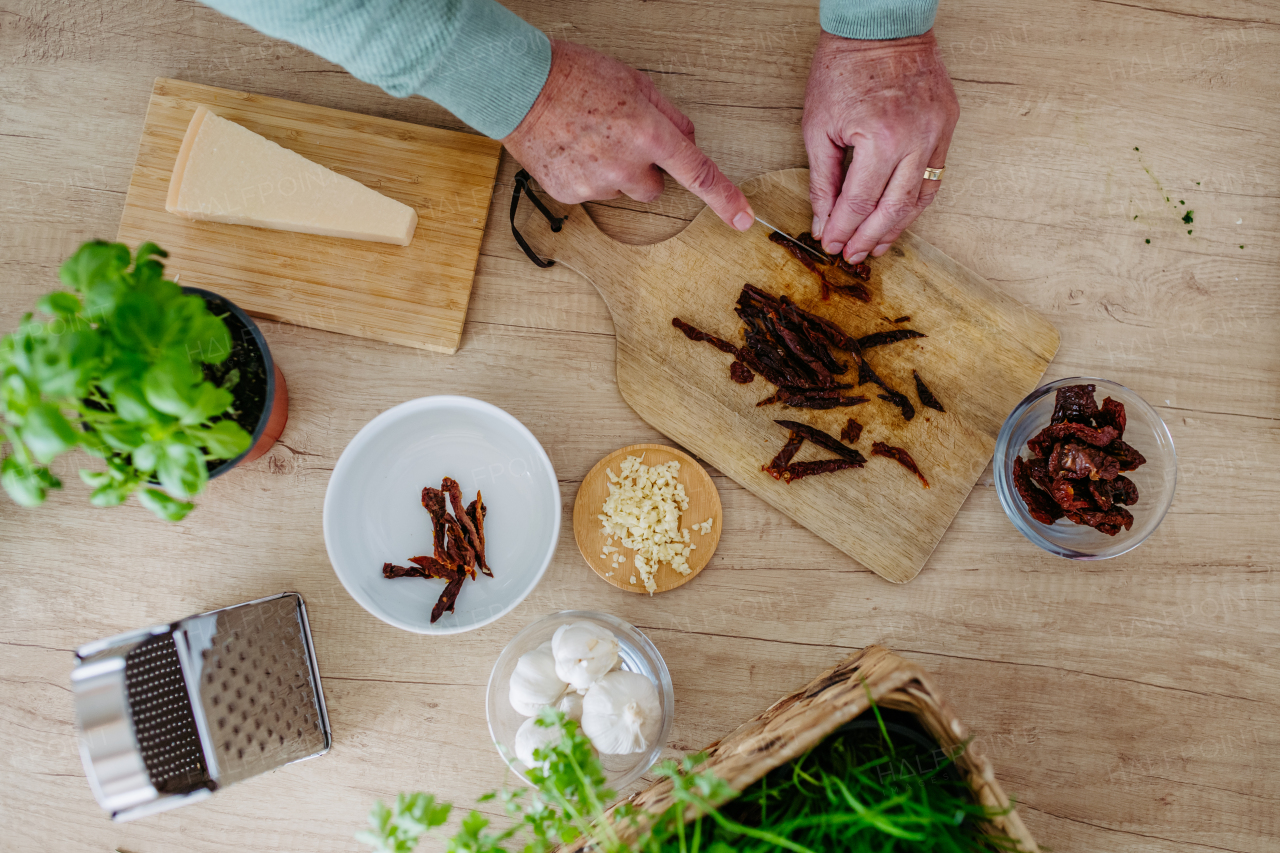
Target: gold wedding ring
<point>934,174</point>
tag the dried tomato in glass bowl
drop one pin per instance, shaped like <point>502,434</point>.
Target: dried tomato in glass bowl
<point>1109,451</point>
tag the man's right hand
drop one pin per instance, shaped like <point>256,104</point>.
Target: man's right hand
<point>600,129</point>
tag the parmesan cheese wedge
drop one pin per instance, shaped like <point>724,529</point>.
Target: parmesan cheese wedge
<point>227,173</point>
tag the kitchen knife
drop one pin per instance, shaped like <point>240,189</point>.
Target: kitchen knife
<point>824,258</point>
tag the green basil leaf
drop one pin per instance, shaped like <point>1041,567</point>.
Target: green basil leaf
<point>170,386</point>
<point>223,440</point>
<point>20,348</point>
<point>112,494</point>
<point>60,303</point>
<point>181,318</point>
<point>210,339</point>
<point>210,401</point>
<point>148,250</point>
<point>131,404</point>
<point>181,470</point>
<point>137,322</point>
<point>148,278</point>
<point>93,444</point>
<point>46,432</point>
<point>94,262</point>
<point>148,456</point>
<point>164,506</point>
<point>95,479</point>
<point>125,368</point>
<point>62,365</point>
<point>101,298</point>
<point>109,487</point>
<point>27,486</point>
<point>119,435</point>
<point>17,394</point>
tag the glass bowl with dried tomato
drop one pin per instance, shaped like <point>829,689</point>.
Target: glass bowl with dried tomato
<point>1085,468</point>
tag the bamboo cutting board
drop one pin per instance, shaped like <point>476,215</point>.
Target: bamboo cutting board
<point>414,295</point>
<point>984,352</point>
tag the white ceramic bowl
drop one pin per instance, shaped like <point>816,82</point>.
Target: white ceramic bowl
<point>373,511</point>
<point>638,654</point>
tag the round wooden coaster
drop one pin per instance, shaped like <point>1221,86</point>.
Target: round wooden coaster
<point>704,503</point>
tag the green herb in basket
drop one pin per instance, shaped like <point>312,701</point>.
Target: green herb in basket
<point>856,791</point>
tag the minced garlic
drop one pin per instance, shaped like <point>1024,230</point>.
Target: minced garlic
<point>643,511</point>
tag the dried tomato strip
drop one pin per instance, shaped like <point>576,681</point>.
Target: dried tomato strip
<point>1042,443</point>
<point>779,463</point>
<point>893,336</point>
<point>823,440</point>
<point>433,501</point>
<point>1039,504</point>
<point>469,537</point>
<point>926,396</point>
<point>448,598</point>
<point>900,455</point>
<point>797,470</point>
<point>693,333</point>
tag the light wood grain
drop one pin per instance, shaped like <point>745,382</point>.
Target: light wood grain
<point>704,505</point>
<point>1128,705</point>
<point>983,353</point>
<point>414,295</point>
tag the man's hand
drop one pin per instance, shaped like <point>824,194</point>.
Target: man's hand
<point>892,103</point>
<point>600,129</point>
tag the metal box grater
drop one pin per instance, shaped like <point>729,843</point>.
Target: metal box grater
<point>169,714</point>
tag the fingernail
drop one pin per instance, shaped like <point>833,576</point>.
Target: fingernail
<point>834,248</point>
<point>858,258</point>
<point>816,228</point>
<point>743,220</point>
<point>879,250</point>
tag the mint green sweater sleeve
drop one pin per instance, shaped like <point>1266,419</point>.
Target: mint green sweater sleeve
<point>473,57</point>
<point>877,19</point>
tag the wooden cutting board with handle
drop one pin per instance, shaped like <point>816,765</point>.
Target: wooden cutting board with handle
<point>983,353</point>
<point>414,295</point>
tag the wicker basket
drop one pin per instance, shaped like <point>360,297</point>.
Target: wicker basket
<point>799,722</point>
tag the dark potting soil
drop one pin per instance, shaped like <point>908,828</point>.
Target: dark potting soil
<point>249,393</point>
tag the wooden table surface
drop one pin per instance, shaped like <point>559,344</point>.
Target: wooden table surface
<point>1130,705</point>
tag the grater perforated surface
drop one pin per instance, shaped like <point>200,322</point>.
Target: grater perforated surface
<point>257,691</point>
<point>162,718</point>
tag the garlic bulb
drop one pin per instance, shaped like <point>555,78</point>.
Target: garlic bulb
<point>571,706</point>
<point>534,683</point>
<point>531,736</point>
<point>621,713</point>
<point>584,651</point>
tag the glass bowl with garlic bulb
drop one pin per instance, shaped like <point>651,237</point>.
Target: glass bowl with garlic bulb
<point>601,672</point>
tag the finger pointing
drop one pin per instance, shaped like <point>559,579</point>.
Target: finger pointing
<point>695,171</point>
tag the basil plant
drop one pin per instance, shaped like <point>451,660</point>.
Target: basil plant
<point>114,367</point>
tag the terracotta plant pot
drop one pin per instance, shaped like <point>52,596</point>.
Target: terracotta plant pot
<point>260,394</point>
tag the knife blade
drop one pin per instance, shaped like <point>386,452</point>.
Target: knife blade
<point>826,259</point>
